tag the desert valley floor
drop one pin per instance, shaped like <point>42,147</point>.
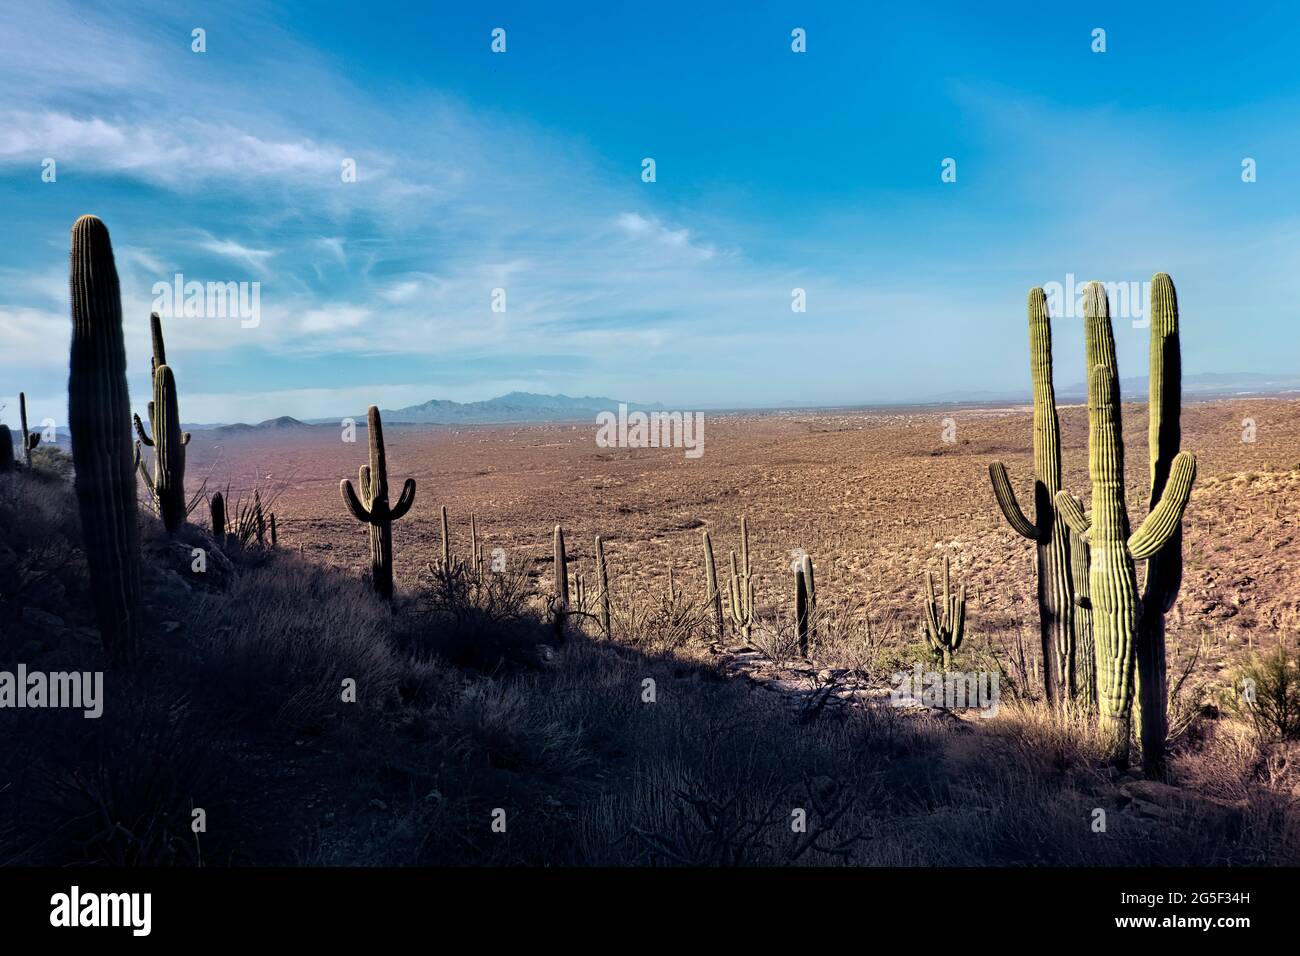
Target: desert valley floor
<point>874,496</point>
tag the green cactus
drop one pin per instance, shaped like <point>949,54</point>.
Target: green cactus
<point>6,449</point>
<point>945,623</point>
<point>372,507</point>
<point>1164,571</point>
<point>1114,549</point>
<point>99,410</point>
<point>1055,598</point>
<point>740,589</point>
<point>30,439</point>
<point>711,585</point>
<point>218,507</point>
<point>602,584</point>
<point>167,486</point>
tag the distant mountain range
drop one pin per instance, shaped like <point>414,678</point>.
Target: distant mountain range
<point>515,407</point>
<point>524,407</point>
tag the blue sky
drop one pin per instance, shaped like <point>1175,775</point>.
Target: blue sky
<point>522,171</point>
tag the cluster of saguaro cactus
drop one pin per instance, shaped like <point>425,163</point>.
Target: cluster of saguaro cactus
<point>945,619</point>
<point>372,507</point>
<point>99,414</point>
<point>30,439</point>
<point>740,589</point>
<point>1055,597</point>
<point>805,604</point>
<point>167,484</point>
<point>1117,612</point>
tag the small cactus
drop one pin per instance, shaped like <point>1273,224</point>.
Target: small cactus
<point>30,439</point>
<point>805,605</point>
<point>945,623</point>
<point>218,508</point>
<point>446,542</point>
<point>602,585</point>
<point>372,507</point>
<point>740,589</point>
<point>561,582</point>
<point>99,410</point>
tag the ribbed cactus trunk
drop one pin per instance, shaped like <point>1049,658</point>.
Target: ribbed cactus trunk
<point>99,415</point>
<point>1055,592</point>
<point>561,582</point>
<point>1164,573</point>
<point>602,582</point>
<point>801,609</point>
<point>1112,578</point>
<point>711,585</point>
<point>373,508</point>
<point>1085,651</point>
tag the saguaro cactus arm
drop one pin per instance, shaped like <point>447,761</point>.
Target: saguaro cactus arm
<point>1164,520</point>
<point>358,510</point>
<point>404,501</point>
<point>139,430</point>
<point>1071,511</point>
<point>1007,502</point>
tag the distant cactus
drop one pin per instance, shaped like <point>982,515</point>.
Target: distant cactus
<point>446,543</point>
<point>99,413</point>
<point>1055,600</point>
<point>561,582</point>
<point>602,585</point>
<point>945,622</point>
<point>218,507</point>
<point>1113,578</point>
<point>740,589</point>
<point>372,506</point>
<point>6,449</point>
<point>30,439</point>
<point>711,585</point>
<point>802,607</point>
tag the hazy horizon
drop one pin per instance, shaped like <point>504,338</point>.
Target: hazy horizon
<point>522,171</point>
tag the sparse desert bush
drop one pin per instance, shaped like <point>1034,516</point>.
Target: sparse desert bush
<point>1266,693</point>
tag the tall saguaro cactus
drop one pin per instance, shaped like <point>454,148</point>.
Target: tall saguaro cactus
<point>1164,573</point>
<point>1114,548</point>
<point>1055,597</point>
<point>714,596</point>
<point>373,509</point>
<point>99,415</point>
